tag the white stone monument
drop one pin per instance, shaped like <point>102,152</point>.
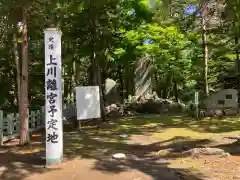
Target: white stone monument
<point>53,97</point>
<point>223,99</point>
<point>88,102</point>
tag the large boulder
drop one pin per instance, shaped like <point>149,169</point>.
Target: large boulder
<point>230,112</point>
<point>210,113</point>
<point>219,113</point>
<point>112,95</point>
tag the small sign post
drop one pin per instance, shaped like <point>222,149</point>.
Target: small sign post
<point>196,103</point>
<point>53,97</point>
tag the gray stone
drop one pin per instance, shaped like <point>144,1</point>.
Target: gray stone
<point>210,113</point>
<point>142,79</point>
<point>202,113</point>
<point>2,169</point>
<point>148,96</point>
<point>114,110</point>
<point>218,112</point>
<point>119,156</point>
<point>226,98</point>
<point>195,152</point>
<point>230,112</point>
<point>123,135</point>
<point>151,103</point>
<point>112,94</point>
<point>155,96</point>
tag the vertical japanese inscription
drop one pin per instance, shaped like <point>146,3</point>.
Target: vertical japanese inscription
<point>51,93</point>
<point>53,96</point>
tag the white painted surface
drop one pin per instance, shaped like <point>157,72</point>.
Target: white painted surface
<point>54,130</point>
<point>88,102</point>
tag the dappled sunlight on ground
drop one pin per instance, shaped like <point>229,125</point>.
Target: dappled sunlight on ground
<point>153,144</point>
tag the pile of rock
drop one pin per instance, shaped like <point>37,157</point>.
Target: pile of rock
<point>149,103</point>
<point>218,112</point>
<point>114,110</point>
<point>118,110</point>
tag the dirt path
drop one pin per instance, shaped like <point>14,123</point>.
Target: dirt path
<point>84,169</point>
<point>88,156</point>
<point>88,163</point>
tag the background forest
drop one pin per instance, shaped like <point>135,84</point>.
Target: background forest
<point>193,45</point>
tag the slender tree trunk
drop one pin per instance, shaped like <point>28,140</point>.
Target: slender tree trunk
<point>103,82</point>
<point>127,82</point>
<point>96,70</point>
<point>73,81</point>
<point>69,91</point>
<point>237,61</point>
<point>95,65</point>
<point>237,65</point>
<point>24,112</point>
<point>164,92</point>
<point>63,84</point>
<point>120,75</point>
<point>237,52</point>
<point>90,75</point>
<point>129,78</point>
<point>205,52</point>
<point>175,89</point>
<point>101,92</point>
<point>167,84</point>
<point>18,70</point>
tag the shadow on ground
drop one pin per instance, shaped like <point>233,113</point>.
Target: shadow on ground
<point>206,125</point>
<point>100,144</point>
<point>17,163</point>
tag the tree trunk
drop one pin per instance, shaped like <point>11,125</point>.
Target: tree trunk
<point>18,70</point>
<point>205,52</point>
<point>90,75</point>
<point>63,85</point>
<point>103,82</point>
<point>69,89</point>
<point>237,52</point>
<point>237,66</point>
<point>121,83</point>
<point>164,92</point>
<point>237,60</point>
<point>101,92</point>
<point>24,111</point>
<point>96,70</point>
<point>175,89</point>
<point>95,65</point>
<point>73,99</point>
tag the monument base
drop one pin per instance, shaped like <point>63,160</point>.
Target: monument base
<point>53,161</point>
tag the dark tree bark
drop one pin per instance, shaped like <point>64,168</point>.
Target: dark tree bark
<point>120,76</point>
<point>24,112</point>
<point>18,69</point>
<point>175,89</point>
<point>73,98</point>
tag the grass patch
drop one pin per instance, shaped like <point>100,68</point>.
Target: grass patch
<point>168,126</point>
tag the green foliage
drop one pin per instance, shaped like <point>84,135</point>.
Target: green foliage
<point>118,33</point>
